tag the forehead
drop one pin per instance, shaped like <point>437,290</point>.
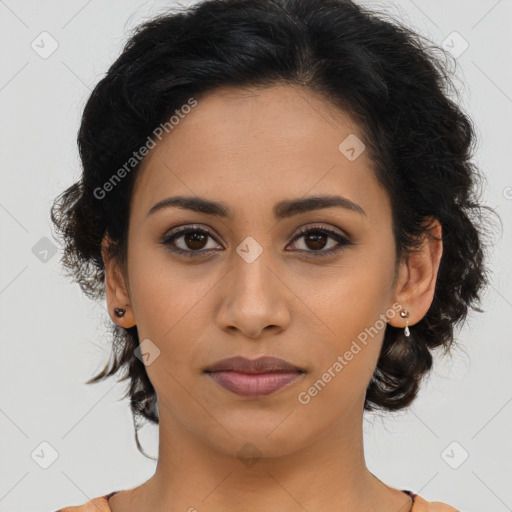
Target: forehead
<point>253,143</point>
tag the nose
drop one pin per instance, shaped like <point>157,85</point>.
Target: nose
<point>254,298</point>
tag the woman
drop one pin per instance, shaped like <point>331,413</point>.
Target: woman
<point>278,203</point>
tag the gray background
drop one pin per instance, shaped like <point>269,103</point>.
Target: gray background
<point>53,338</point>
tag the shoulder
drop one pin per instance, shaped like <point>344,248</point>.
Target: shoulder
<point>422,505</point>
<point>99,504</point>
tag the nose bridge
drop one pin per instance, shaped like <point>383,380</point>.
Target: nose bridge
<point>253,299</point>
<point>251,277</point>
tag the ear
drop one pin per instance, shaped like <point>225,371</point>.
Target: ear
<point>418,275</point>
<point>115,288</point>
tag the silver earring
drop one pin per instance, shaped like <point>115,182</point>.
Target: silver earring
<point>405,314</point>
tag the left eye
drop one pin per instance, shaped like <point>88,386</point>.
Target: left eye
<point>317,239</point>
<point>193,241</point>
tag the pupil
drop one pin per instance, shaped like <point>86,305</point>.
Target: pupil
<point>316,244</point>
<point>195,238</point>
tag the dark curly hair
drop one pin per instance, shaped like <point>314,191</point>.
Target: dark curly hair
<point>392,82</point>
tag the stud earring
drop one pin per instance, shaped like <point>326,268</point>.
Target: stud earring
<point>119,311</point>
<point>405,314</point>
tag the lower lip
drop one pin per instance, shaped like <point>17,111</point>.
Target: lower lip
<point>254,384</point>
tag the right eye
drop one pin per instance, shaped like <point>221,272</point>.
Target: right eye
<point>191,239</point>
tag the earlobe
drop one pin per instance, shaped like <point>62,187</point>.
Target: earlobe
<point>418,276</point>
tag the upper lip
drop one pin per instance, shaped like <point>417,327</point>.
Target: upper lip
<point>264,364</point>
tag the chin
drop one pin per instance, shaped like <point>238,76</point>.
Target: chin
<point>261,434</point>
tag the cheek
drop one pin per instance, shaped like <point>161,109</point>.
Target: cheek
<point>347,323</point>
<point>165,294</point>
<point>343,356</point>
<point>350,297</point>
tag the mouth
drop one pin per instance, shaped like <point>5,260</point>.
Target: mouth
<point>255,384</point>
<point>254,377</point>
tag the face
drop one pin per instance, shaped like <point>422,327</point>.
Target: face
<point>309,286</point>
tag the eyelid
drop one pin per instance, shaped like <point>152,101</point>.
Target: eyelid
<point>182,229</point>
<point>305,228</point>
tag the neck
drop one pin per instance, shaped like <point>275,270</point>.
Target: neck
<point>329,474</point>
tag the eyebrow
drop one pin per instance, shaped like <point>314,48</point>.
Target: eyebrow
<point>282,209</point>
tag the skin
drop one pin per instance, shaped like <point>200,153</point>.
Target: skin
<point>251,148</point>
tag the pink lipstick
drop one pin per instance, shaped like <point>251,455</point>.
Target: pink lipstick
<point>254,377</point>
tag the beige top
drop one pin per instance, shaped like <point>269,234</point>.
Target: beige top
<point>100,504</point>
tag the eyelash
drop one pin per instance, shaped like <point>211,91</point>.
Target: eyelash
<point>342,241</point>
